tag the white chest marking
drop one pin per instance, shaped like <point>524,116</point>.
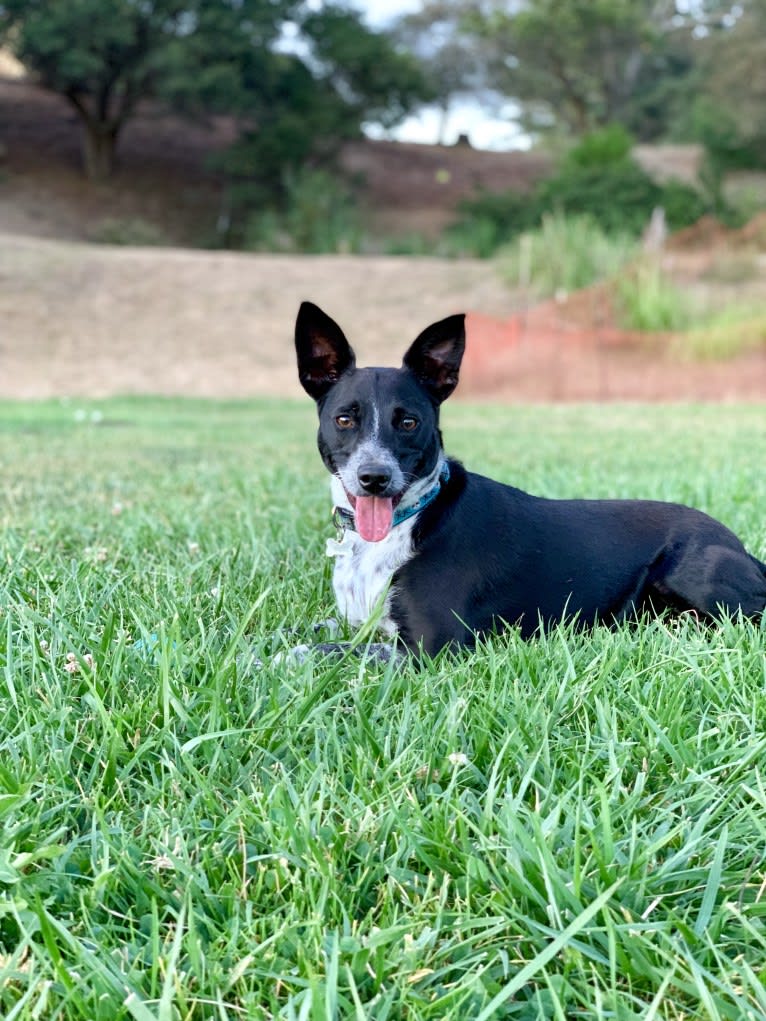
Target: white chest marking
<point>363,571</point>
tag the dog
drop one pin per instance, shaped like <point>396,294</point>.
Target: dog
<point>446,555</point>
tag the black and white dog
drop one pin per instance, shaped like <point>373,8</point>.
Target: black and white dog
<point>452,555</point>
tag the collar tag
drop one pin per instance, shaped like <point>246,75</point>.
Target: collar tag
<point>342,546</point>
<point>343,519</point>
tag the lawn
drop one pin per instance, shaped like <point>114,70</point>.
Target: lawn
<point>570,827</point>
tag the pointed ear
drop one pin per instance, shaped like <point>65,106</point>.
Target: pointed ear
<point>436,355</point>
<point>323,351</point>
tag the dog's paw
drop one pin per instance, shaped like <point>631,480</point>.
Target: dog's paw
<point>330,625</point>
<point>292,657</point>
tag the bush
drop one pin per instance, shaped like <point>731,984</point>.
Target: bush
<point>319,216</point>
<point>564,254</point>
<point>601,148</point>
<point>683,204</point>
<point>619,196</point>
<point>491,220</point>
<point>598,179</point>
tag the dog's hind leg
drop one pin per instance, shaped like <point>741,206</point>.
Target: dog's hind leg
<point>713,579</point>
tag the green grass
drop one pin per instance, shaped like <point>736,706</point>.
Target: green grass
<point>570,827</point>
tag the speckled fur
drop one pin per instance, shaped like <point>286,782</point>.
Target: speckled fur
<point>363,571</point>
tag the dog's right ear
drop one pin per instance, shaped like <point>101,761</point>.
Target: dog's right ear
<point>323,352</point>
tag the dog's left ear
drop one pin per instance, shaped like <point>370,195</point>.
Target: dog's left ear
<point>436,355</point>
<point>323,352</point>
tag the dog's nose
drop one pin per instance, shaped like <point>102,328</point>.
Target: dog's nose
<point>373,477</point>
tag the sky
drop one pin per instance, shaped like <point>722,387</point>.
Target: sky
<point>486,128</point>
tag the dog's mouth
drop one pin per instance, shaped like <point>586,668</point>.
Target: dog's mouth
<point>373,515</point>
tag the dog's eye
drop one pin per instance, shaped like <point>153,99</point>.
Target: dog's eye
<point>408,423</point>
<point>344,421</point>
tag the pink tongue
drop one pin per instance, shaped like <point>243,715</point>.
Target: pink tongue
<point>373,516</point>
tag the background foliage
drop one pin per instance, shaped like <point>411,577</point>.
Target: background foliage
<point>301,79</point>
<point>596,178</point>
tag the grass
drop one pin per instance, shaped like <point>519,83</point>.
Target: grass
<point>732,331</point>
<point>574,826</point>
<point>649,300</point>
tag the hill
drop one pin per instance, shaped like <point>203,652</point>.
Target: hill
<point>164,174</point>
<point>92,320</point>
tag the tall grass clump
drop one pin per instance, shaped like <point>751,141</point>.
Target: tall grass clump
<point>564,254</point>
<point>648,300</point>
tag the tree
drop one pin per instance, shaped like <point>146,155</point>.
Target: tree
<point>106,56</point>
<point>101,55</point>
<point>731,113</point>
<point>577,65</point>
<point>451,58</point>
<point>297,104</point>
<point>364,69</point>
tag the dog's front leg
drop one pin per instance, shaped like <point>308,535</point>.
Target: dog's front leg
<point>377,652</point>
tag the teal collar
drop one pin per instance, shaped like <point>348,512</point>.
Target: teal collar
<point>343,518</point>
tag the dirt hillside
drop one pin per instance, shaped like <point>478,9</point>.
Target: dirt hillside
<point>96,320</point>
<point>92,321</point>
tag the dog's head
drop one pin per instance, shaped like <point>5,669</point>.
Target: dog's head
<point>378,428</point>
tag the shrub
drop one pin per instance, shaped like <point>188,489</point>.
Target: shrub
<point>601,148</point>
<point>683,204</point>
<point>620,196</point>
<point>319,215</point>
<point>490,220</point>
<point>597,178</point>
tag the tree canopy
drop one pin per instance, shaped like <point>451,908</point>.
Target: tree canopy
<point>577,65</point>
<point>451,59</point>
<point>301,79</point>
<point>730,112</point>
<point>574,66</point>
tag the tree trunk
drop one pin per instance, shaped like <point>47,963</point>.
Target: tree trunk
<point>99,143</point>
